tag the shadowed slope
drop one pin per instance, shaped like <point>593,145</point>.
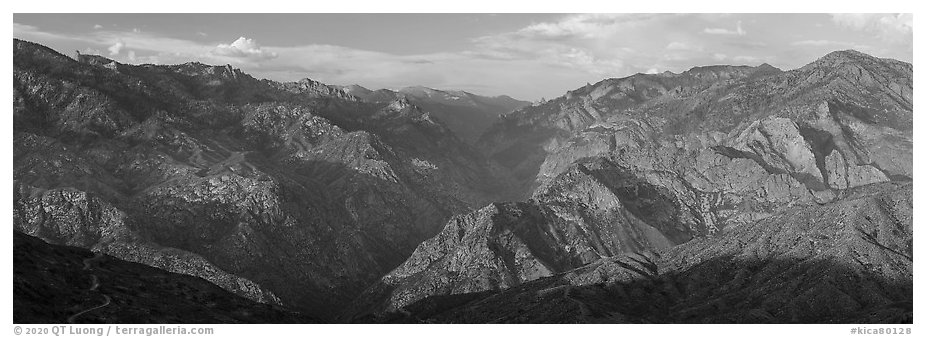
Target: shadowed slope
<point>52,284</point>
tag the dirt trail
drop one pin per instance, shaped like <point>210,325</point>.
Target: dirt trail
<point>94,285</point>
<point>584,311</point>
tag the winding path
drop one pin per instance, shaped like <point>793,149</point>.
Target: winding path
<point>94,285</point>
<point>584,311</point>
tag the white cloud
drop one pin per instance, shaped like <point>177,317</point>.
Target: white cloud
<point>116,48</point>
<point>894,28</point>
<point>747,59</point>
<point>723,31</point>
<point>539,59</point>
<point>675,45</point>
<point>594,45</point>
<point>97,26</point>
<point>585,26</point>
<point>245,49</point>
<point>35,34</point>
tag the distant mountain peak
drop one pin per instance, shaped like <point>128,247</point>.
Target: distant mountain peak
<point>766,65</point>
<point>310,86</point>
<point>400,103</point>
<point>419,90</point>
<point>199,68</point>
<point>844,57</point>
<point>847,53</point>
<point>355,88</point>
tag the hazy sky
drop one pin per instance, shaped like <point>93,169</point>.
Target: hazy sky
<point>527,56</point>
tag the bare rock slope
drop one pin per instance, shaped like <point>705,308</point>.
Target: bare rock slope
<point>648,162</point>
<point>293,193</point>
<point>849,261</point>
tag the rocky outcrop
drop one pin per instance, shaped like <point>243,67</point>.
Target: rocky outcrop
<point>71,217</point>
<point>314,88</point>
<point>697,155</point>
<point>652,198</point>
<point>591,212</point>
<point>849,261</point>
<point>295,192</point>
<point>846,102</point>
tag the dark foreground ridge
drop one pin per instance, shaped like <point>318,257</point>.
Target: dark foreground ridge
<point>55,284</point>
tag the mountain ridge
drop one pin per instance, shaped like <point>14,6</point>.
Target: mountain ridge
<point>466,114</point>
<point>751,148</point>
<point>809,265</point>
<point>254,185</point>
<point>357,205</point>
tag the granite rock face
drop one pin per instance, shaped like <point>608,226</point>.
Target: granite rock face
<point>293,193</point>
<point>652,198</point>
<point>848,103</point>
<point>849,261</point>
<point>71,217</point>
<point>592,212</point>
<point>679,157</point>
<point>735,144</point>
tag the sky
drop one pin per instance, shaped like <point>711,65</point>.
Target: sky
<point>526,56</point>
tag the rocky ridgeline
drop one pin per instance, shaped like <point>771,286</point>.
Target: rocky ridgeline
<point>651,198</point>
<point>856,104</point>
<point>280,192</point>
<point>71,217</point>
<point>849,261</point>
<point>314,88</point>
<point>466,114</point>
<point>640,164</point>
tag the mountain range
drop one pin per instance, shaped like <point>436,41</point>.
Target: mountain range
<point>719,194</point>
<point>467,115</point>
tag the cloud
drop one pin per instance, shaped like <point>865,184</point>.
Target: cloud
<point>723,31</point>
<point>748,59</point>
<point>34,33</point>
<point>894,28</point>
<point>116,48</point>
<point>594,45</point>
<point>97,26</point>
<point>682,46</point>
<point>583,26</point>
<point>541,59</point>
<point>243,48</point>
